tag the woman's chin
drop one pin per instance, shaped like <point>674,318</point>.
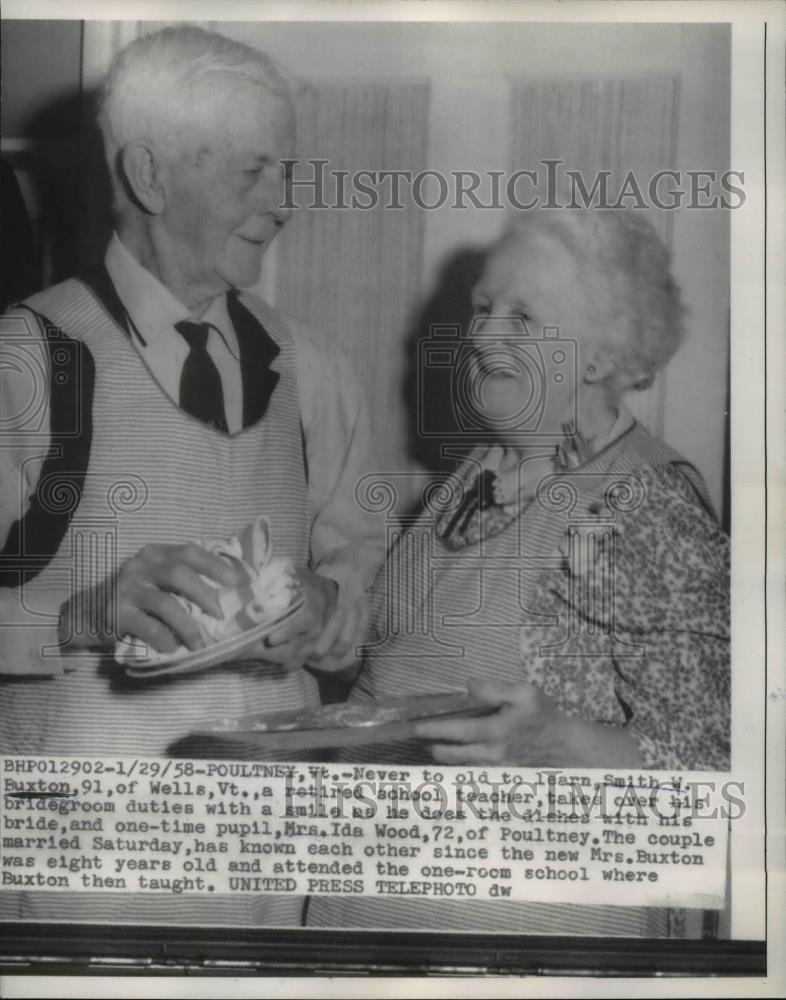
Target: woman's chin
<point>507,436</point>
<point>519,438</point>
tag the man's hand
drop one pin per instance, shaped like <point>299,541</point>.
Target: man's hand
<point>529,729</point>
<point>313,630</point>
<point>142,595</point>
<point>345,629</point>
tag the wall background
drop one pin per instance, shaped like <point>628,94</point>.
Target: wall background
<point>469,73</point>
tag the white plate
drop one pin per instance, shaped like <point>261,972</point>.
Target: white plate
<point>227,651</point>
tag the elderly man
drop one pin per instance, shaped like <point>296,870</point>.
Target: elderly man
<point>175,407</point>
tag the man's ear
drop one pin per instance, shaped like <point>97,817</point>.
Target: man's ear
<point>144,172</point>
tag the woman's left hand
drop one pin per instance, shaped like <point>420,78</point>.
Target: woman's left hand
<point>529,730</point>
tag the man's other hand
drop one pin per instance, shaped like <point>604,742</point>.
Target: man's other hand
<point>314,630</point>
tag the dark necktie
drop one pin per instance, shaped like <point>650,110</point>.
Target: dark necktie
<point>201,393</point>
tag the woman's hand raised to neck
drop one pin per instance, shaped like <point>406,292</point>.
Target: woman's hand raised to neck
<point>598,410</point>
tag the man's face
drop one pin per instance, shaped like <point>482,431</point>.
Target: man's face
<point>225,186</point>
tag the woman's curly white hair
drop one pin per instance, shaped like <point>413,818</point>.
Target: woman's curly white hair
<point>633,303</point>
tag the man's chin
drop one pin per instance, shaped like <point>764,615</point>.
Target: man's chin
<point>244,277</point>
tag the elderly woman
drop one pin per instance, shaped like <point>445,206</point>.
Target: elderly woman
<point>576,578</point>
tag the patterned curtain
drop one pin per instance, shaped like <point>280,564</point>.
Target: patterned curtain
<point>353,274</point>
<point>622,126</point>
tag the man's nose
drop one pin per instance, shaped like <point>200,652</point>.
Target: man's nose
<point>282,211</point>
<point>274,198</point>
<point>281,201</point>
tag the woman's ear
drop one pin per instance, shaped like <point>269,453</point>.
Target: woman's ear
<point>599,367</point>
<point>143,171</point>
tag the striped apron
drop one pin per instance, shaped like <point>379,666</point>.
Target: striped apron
<point>158,475</point>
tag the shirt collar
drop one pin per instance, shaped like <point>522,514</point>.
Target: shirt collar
<point>154,310</point>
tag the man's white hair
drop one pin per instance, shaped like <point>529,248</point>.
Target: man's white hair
<point>152,87</point>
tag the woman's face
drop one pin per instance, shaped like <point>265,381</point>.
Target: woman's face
<point>526,368</point>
